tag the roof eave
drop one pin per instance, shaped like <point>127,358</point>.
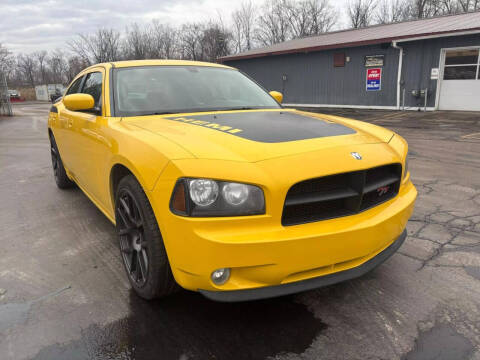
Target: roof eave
<point>352,44</point>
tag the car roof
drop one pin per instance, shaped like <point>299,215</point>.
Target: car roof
<point>132,63</point>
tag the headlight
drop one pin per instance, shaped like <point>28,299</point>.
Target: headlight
<point>235,194</point>
<point>406,167</point>
<point>203,192</point>
<point>206,197</point>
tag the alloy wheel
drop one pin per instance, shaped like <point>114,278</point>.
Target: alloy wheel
<point>54,153</point>
<point>133,245</point>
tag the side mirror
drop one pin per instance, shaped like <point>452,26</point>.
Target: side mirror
<point>79,102</point>
<point>277,96</point>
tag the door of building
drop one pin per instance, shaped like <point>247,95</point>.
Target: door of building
<point>460,83</point>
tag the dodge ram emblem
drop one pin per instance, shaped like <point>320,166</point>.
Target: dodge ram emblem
<point>356,155</point>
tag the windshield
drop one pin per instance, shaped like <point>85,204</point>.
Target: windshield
<point>174,89</point>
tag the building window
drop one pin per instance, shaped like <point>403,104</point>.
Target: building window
<point>339,59</point>
<point>462,65</point>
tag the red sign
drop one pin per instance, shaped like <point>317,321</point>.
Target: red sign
<point>374,79</point>
<point>374,74</point>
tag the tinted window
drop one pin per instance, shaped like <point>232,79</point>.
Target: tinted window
<point>461,65</point>
<point>159,89</point>
<point>93,86</point>
<point>460,72</point>
<point>75,88</point>
<point>461,57</point>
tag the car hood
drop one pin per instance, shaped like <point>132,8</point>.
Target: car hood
<point>256,135</point>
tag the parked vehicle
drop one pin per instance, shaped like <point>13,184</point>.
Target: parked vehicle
<point>14,94</point>
<point>214,186</point>
<point>55,96</point>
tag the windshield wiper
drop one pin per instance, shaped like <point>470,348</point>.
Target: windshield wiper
<point>242,108</point>
<point>202,110</point>
<point>236,108</point>
<point>159,113</point>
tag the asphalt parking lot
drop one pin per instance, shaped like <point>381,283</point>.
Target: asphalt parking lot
<point>64,294</point>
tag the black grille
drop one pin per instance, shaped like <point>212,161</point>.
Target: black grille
<point>340,194</point>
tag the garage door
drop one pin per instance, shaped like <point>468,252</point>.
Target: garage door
<point>460,87</point>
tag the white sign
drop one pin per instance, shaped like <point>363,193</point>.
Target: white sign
<point>434,74</point>
<point>41,92</point>
<point>374,60</point>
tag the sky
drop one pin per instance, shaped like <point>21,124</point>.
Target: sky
<point>31,25</point>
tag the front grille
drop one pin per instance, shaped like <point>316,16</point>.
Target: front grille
<point>340,194</point>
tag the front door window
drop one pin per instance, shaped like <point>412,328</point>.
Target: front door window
<point>93,86</point>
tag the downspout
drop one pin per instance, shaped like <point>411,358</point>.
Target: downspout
<point>399,72</point>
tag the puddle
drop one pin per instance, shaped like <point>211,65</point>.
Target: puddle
<point>12,314</point>
<point>473,271</point>
<point>188,326</point>
<point>442,342</point>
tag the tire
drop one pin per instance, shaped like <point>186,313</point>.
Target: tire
<point>59,173</point>
<point>140,241</point>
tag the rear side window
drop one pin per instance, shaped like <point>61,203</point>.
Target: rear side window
<point>93,86</point>
<point>75,88</point>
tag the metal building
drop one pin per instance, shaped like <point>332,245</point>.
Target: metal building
<point>430,63</point>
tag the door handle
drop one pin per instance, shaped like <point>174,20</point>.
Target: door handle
<point>69,123</point>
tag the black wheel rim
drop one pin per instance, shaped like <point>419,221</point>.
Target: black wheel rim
<point>55,162</point>
<point>133,245</point>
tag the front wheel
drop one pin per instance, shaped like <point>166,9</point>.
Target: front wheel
<point>141,244</point>
<point>59,173</point>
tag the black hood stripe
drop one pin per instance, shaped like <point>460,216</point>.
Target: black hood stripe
<point>268,126</point>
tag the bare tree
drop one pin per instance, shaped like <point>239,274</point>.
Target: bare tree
<point>324,16</point>
<point>4,54</point>
<point>103,46</point>
<point>58,67</point>
<point>420,9</point>
<point>450,6</point>
<point>27,67</point>
<point>469,5</point>
<point>75,64</point>
<point>390,11</point>
<point>6,59</point>
<point>243,26</point>
<point>310,17</point>
<point>164,41</point>
<point>137,43</point>
<point>41,59</point>
<point>190,41</point>
<point>215,41</point>
<point>273,23</point>
<point>204,41</point>
<point>237,32</point>
<point>360,12</point>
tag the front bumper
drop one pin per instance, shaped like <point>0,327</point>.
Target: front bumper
<point>264,254</point>
<point>309,284</point>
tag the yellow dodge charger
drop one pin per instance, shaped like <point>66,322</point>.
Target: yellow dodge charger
<point>214,186</point>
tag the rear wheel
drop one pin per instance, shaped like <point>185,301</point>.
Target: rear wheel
<point>141,244</point>
<point>59,173</point>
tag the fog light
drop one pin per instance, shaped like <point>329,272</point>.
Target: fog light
<point>220,276</point>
